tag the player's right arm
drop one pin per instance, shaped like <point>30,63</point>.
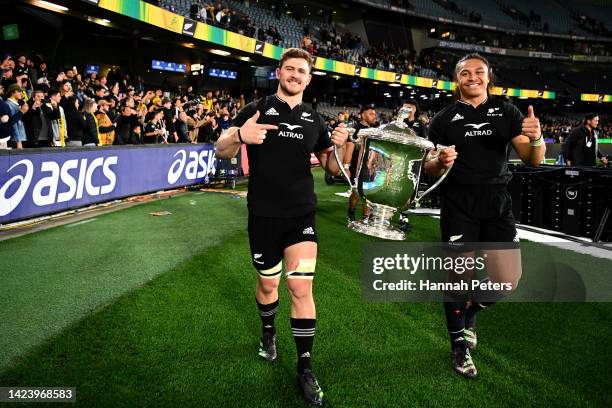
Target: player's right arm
<point>246,130</point>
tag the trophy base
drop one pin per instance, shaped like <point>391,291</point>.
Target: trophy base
<point>379,231</point>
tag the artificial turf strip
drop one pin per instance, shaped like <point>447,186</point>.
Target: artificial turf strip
<point>189,338</point>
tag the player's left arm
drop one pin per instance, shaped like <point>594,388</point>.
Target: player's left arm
<point>529,144</point>
<point>338,138</point>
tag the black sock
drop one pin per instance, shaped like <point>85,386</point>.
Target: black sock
<point>481,300</point>
<point>455,322</point>
<point>470,312</point>
<point>267,313</point>
<point>303,333</point>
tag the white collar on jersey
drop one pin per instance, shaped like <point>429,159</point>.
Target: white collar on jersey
<point>469,104</point>
<point>284,101</point>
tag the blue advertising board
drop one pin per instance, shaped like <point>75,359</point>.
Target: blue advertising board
<point>39,182</point>
<point>168,66</point>
<point>222,73</point>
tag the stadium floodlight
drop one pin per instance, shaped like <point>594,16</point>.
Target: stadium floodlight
<point>433,30</point>
<point>320,73</point>
<point>53,5</point>
<point>395,84</point>
<point>223,53</point>
<point>246,59</point>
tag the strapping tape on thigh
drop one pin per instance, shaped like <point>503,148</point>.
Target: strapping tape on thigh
<point>272,272</point>
<point>305,269</point>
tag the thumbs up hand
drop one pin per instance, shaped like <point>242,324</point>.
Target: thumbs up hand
<point>255,133</point>
<point>531,125</point>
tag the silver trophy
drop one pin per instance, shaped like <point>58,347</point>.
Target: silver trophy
<point>391,159</point>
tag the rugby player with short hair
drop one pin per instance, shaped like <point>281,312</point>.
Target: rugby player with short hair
<point>281,133</point>
<point>476,205</point>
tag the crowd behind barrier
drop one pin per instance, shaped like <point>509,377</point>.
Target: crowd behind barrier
<point>39,108</point>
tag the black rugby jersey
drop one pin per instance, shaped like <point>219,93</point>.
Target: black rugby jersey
<point>481,136</point>
<point>280,181</point>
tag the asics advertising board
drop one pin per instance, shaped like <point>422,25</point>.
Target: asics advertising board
<point>34,183</point>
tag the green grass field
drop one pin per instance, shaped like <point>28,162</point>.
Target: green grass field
<point>135,310</point>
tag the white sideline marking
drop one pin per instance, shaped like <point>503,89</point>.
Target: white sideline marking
<point>80,222</point>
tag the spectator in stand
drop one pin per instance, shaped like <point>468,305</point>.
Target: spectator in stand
<point>208,133</point>
<point>105,125</point>
<point>224,118</point>
<point>7,77</point>
<point>169,120</point>
<point>35,121</point>
<point>91,136</point>
<point>56,121</point>
<point>182,129</point>
<point>137,133</point>
<point>75,122</point>
<point>154,130</point>
<point>208,101</point>
<point>124,126</point>
<point>17,108</point>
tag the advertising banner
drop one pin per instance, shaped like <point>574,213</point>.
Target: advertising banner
<point>37,182</point>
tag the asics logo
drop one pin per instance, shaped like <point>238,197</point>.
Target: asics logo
<point>194,166</point>
<point>476,126</point>
<point>291,127</point>
<point>57,182</point>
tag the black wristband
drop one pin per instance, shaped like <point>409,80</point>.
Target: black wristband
<point>240,137</point>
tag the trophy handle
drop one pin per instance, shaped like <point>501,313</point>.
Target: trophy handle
<point>341,164</point>
<point>437,183</point>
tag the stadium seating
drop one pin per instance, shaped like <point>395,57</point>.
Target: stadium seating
<point>328,110</point>
<point>289,28</point>
<point>490,12</point>
<point>557,17</point>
